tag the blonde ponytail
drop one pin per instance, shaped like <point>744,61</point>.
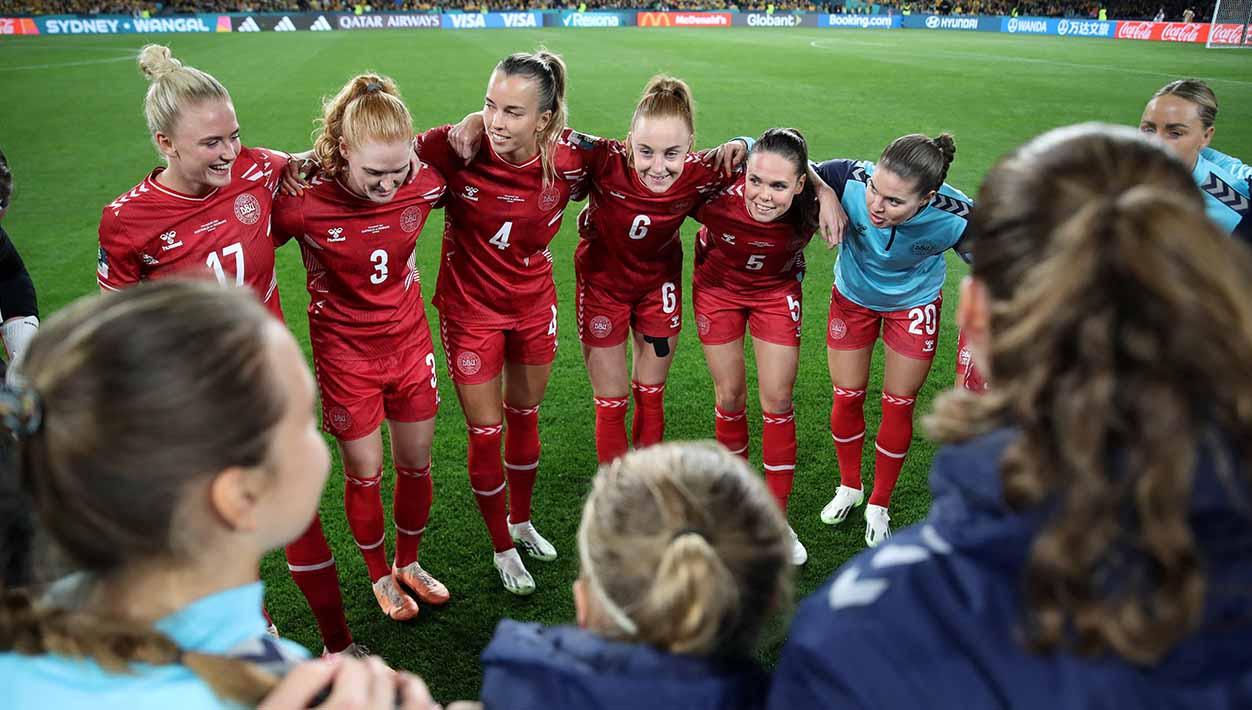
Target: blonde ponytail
<point>367,108</point>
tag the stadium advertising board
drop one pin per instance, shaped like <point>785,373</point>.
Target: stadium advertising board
<point>1054,26</point>
<point>491,20</point>
<point>590,19</point>
<point>18,26</point>
<point>295,22</point>
<point>1227,34</point>
<point>968,23</point>
<point>684,19</point>
<point>762,19</point>
<point>127,24</point>
<point>1164,31</point>
<point>397,21</point>
<point>864,22</point>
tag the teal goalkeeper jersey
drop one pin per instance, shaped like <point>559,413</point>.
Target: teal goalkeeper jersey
<point>1226,183</point>
<point>893,268</point>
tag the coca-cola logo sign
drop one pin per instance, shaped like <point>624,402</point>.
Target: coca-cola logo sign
<point>1134,30</point>
<point>1182,32</point>
<point>1164,31</point>
<point>1226,34</point>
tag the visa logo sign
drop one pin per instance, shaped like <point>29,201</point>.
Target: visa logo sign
<point>466,21</point>
<point>519,19</point>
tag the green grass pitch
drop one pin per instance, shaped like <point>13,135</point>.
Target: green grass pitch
<point>72,127</point>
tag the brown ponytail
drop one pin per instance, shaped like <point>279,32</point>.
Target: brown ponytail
<point>921,159</point>
<point>367,108</point>
<point>547,71</point>
<point>1121,331</point>
<point>789,143</point>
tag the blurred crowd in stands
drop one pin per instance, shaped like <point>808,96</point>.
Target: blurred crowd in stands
<point>1173,10</point>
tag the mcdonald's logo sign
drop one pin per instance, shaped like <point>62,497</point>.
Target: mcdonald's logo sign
<point>654,19</point>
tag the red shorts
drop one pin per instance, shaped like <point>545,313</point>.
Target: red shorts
<point>477,351</point>
<point>773,316</point>
<point>912,332</point>
<point>358,394</point>
<point>604,319</point>
<point>967,375</point>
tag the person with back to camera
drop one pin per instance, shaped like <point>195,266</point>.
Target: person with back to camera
<point>684,556</point>
<point>19,308</point>
<point>162,606</point>
<point>1090,540</point>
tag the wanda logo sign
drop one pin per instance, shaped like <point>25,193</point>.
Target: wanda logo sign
<point>683,19</point>
<point>1166,31</point>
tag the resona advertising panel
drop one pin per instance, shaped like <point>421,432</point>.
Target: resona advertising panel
<point>783,20</point>
<point>684,19</point>
<point>590,19</point>
<point>864,22</point>
<point>491,20</point>
<point>1054,26</point>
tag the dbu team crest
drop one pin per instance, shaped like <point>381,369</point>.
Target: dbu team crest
<point>247,209</point>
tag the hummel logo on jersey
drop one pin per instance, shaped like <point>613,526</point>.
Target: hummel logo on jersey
<point>471,193</point>
<point>169,238</point>
<point>248,25</point>
<point>285,25</point>
<point>618,195</point>
<point>951,204</point>
<point>335,233</point>
<point>859,175</point>
<point>510,198</point>
<point>148,261</point>
<point>321,25</point>
<point>1225,194</point>
<point>728,238</point>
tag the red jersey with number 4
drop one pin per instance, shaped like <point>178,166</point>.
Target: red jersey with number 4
<point>152,232</point>
<point>365,293</point>
<point>735,251</point>
<point>498,222</point>
<point>630,234</point>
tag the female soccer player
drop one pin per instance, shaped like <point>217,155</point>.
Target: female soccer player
<point>208,210</point>
<point>1091,527</point>
<point>357,225</point>
<point>683,559</point>
<point>1183,113</point>
<point>495,295</point>
<point>889,274</point>
<point>748,267</point>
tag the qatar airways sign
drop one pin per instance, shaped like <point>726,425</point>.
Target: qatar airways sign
<point>1164,31</point>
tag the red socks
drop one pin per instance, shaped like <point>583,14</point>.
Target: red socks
<point>313,569</point>
<point>415,492</point>
<point>778,453</point>
<point>894,437</point>
<point>648,427</point>
<point>521,458</point>
<point>611,427</point>
<point>731,430</point>
<point>364,505</point>
<point>847,427</point>
<point>486,476</point>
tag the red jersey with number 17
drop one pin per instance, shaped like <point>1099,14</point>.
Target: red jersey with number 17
<point>152,232</point>
<point>735,251</point>
<point>630,234</point>
<point>365,293</point>
<point>498,222</point>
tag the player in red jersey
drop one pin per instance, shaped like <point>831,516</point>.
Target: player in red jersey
<point>357,225</point>
<point>749,265</point>
<point>208,212</point>
<point>495,295</point>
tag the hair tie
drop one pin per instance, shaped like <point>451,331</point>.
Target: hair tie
<point>21,410</point>
<point>372,87</point>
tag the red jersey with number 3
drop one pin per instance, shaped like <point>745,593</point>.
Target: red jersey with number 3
<point>365,293</point>
<point>152,232</point>
<point>735,251</point>
<point>498,222</point>
<point>630,234</point>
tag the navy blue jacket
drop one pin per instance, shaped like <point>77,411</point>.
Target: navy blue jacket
<point>932,618</point>
<point>529,666</point>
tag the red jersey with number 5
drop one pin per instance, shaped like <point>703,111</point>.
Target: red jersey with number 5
<point>365,293</point>
<point>735,251</point>
<point>498,222</point>
<point>152,232</point>
<point>630,234</point>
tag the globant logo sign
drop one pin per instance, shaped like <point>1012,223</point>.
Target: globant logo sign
<point>759,20</point>
<point>591,19</point>
<point>935,22</point>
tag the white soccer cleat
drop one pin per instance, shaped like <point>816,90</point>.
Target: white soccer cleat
<point>513,573</point>
<point>877,529</point>
<point>528,538</point>
<point>844,501</point>
<point>354,650</point>
<point>799,555</point>
<point>272,630</point>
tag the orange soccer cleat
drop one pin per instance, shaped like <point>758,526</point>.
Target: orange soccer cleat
<point>426,587</point>
<point>393,601</point>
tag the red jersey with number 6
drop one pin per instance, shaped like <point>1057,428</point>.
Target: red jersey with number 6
<point>152,232</point>
<point>365,293</point>
<point>630,234</point>
<point>498,222</point>
<point>734,251</point>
